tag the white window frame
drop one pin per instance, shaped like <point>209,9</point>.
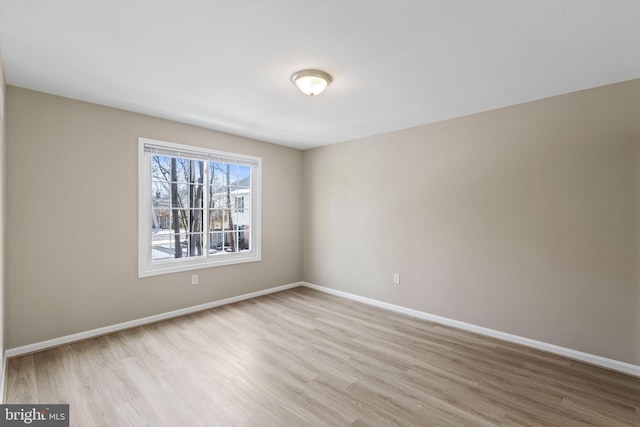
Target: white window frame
<point>146,266</point>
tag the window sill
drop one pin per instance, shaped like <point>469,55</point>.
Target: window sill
<point>157,269</point>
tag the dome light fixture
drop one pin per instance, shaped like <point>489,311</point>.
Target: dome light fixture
<point>311,82</point>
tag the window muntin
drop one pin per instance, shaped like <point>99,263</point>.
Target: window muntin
<point>204,207</point>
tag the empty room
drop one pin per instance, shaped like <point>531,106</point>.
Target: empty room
<point>344,213</point>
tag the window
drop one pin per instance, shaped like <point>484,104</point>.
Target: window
<point>240,204</point>
<point>197,208</point>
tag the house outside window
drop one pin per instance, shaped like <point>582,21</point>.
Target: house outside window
<point>240,204</point>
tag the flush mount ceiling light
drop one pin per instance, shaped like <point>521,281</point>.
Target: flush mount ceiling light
<point>311,82</point>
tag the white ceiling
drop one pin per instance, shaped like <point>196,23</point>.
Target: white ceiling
<point>226,64</point>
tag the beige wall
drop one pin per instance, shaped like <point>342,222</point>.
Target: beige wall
<point>524,219</point>
<point>72,184</point>
<point>2,211</point>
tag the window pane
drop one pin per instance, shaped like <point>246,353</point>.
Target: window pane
<point>197,171</point>
<point>239,203</point>
<point>233,223</point>
<point>232,172</point>
<point>195,220</point>
<point>190,220</point>
<point>161,168</point>
<point>161,245</point>
<point>182,171</point>
<point>217,176</point>
<point>180,220</point>
<point>160,219</point>
<point>244,238</point>
<point>215,242</point>
<point>216,219</point>
<point>230,241</point>
<point>244,177</point>
<point>197,192</point>
<point>160,189</point>
<point>192,244</point>
<point>180,246</point>
<point>217,200</point>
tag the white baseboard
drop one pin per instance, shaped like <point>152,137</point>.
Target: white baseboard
<point>56,342</point>
<point>604,362</point>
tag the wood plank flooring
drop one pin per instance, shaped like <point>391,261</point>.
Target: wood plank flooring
<point>301,357</point>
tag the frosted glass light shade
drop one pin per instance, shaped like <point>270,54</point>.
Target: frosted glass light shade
<point>311,82</point>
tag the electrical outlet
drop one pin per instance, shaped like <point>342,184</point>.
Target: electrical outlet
<point>194,279</point>
<point>396,278</point>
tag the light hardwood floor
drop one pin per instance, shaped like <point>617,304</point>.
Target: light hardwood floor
<point>301,357</point>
